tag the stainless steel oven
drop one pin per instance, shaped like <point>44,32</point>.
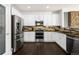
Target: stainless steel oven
<point>39,35</point>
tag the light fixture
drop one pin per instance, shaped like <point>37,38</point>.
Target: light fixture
<point>29,7</point>
<point>47,6</point>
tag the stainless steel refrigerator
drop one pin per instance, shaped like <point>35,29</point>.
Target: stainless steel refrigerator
<point>17,33</point>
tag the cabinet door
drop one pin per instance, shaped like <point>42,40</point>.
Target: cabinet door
<point>60,39</point>
<point>29,36</point>
<point>31,20</point>
<point>26,19</point>
<point>48,37</point>
<point>25,36</point>
<point>56,19</point>
<point>45,36</point>
<point>54,36</point>
<point>47,20</point>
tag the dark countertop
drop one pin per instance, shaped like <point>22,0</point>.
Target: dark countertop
<point>33,28</point>
<point>68,32</point>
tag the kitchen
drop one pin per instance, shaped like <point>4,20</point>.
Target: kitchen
<point>40,29</point>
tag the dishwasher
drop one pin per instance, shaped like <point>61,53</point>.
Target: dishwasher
<point>75,50</point>
<point>69,44</point>
<point>72,44</point>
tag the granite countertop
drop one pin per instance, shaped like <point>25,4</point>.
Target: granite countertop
<point>33,28</point>
<point>68,32</point>
<point>71,33</point>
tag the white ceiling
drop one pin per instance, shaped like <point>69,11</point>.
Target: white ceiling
<point>42,7</point>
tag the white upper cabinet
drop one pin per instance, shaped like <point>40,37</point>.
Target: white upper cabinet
<point>39,17</point>
<point>64,18</point>
<point>29,20</point>
<point>47,20</point>
<point>56,18</point>
<point>31,17</point>
<point>26,19</point>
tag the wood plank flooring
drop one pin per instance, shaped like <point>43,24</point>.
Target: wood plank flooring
<point>40,49</point>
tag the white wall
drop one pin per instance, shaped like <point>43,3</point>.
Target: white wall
<point>8,30</point>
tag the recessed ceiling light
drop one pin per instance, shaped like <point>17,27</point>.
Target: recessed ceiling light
<point>47,6</point>
<point>28,6</point>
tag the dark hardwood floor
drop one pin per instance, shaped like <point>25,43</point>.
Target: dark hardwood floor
<point>40,49</point>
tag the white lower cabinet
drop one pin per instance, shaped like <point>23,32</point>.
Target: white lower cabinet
<point>48,37</point>
<point>29,36</point>
<point>57,37</point>
<point>60,39</point>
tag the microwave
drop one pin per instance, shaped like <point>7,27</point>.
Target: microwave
<point>39,23</point>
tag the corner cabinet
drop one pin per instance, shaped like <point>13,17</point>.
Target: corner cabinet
<point>60,39</point>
